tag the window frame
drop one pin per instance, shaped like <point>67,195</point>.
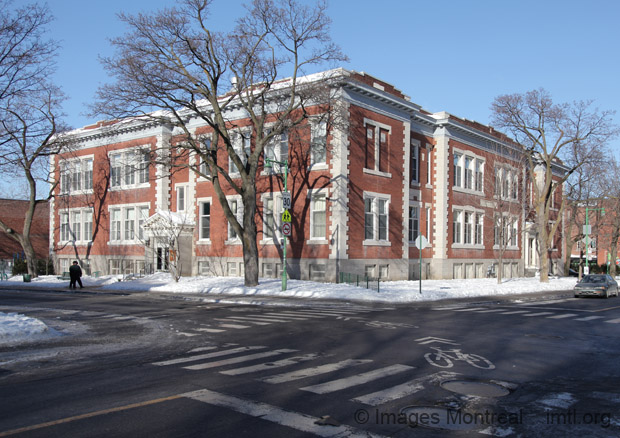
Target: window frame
<point>375,201</point>
<point>129,169</point>
<point>119,231</point>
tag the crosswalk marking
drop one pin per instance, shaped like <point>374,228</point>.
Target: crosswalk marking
<point>538,303</point>
<point>314,371</point>
<point>393,393</point>
<point>200,349</point>
<point>305,315</point>
<point>281,315</point>
<point>270,365</point>
<point>210,330</point>
<point>589,318</point>
<point>264,411</point>
<point>347,382</point>
<point>539,314</point>
<point>402,390</point>
<point>514,312</point>
<point>207,355</point>
<point>469,309</point>
<point>268,318</point>
<point>565,315</point>
<point>324,314</point>
<point>238,359</point>
<point>234,326</point>
<point>245,321</point>
<point>614,321</point>
<point>490,310</point>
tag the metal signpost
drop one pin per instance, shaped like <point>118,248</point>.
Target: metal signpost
<point>587,230</point>
<point>421,243</point>
<point>286,215</point>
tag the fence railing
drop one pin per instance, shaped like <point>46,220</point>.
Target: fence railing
<point>359,280</point>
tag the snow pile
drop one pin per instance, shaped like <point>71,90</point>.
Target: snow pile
<point>14,326</point>
<point>389,292</point>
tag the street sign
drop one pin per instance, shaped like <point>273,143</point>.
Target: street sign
<point>286,200</point>
<point>587,229</point>
<point>420,242</point>
<point>286,216</point>
<point>286,229</point>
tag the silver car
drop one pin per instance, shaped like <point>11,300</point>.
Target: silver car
<point>596,285</point>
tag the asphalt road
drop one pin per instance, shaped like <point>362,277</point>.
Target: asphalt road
<point>136,366</point>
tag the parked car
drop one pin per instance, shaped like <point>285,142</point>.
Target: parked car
<point>598,285</point>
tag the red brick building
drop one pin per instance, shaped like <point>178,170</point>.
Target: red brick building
<point>361,195</point>
<point>13,212</point>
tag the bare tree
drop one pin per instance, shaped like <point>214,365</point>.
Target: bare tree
<point>551,133</point>
<point>29,108</point>
<point>582,188</point>
<point>172,61</point>
<point>608,184</point>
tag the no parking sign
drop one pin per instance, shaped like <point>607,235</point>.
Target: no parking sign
<point>286,229</point>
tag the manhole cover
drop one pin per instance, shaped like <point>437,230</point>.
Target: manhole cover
<point>440,418</point>
<point>477,389</point>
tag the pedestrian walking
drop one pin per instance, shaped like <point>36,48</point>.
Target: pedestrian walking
<point>75,272</point>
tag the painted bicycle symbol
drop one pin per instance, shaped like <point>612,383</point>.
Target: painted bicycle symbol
<point>444,359</point>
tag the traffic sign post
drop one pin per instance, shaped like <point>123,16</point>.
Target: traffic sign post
<point>286,215</point>
<point>420,243</point>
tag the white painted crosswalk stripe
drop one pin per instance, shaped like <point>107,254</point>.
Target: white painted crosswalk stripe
<point>207,355</point>
<point>283,316</point>
<point>267,318</point>
<point>539,314</point>
<point>294,420</point>
<point>515,312</point>
<point>244,321</point>
<point>402,390</point>
<point>490,310</point>
<point>589,318</point>
<point>390,394</point>
<point>210,330</point>
<point>238,359</point>
<point>347,382</point>
<point>470,309</point>
<point>300,314</point>
<point>614,321</point>
<point>234,326</point>
<point>565,315</point>
<point>270,365</point>
<point>314,371</point>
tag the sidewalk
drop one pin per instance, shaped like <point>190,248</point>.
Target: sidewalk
<point>231,289</point>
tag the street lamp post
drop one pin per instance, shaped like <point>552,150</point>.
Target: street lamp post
<point>587,233</point>
<point>268,165</point>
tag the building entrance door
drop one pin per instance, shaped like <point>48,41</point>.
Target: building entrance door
<point>162,256</point>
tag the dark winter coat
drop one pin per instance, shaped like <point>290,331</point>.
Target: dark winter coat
<point>75,271</point>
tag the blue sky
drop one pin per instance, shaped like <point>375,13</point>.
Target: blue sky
<point>450,55</point>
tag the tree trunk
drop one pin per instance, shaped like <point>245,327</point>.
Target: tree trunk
<point>250,247</point>
<point>31,257</point>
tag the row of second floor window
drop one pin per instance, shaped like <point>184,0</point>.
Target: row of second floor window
<point>128,169</point>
